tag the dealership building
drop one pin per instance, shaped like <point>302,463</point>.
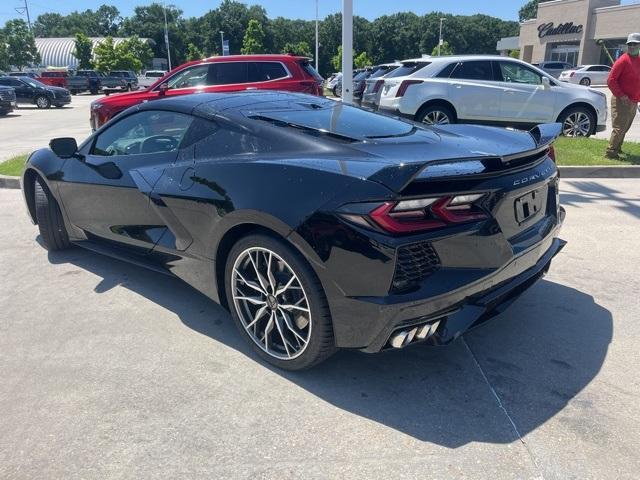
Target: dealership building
<point>579,32</point>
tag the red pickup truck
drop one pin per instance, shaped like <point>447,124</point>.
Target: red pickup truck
<point>55,79</point>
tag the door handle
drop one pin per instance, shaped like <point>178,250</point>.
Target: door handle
<point>251,88</point>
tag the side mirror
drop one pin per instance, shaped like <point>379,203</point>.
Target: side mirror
<point>64,147</point>
<point>546,83</point>
<point>162,89</point>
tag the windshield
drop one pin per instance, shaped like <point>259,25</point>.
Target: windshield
<point>341,120</point>
<point>408,68</point>
<point>33,83</point>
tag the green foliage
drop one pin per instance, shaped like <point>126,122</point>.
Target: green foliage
<point>253,41</point>
<point>529,10</point>
<point>21,45</point>
<point>131,54</point>
<point>301,49</point>
<point>4,52</point>
<point>194,53</point>
<point>104,21</point>
<point>514,53</point>
<point>445,49</point>
<point>83,51</point>
<point>362,60</point>
<point>336,60</point>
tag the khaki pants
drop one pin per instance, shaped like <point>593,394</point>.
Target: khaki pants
<point>623,111</point>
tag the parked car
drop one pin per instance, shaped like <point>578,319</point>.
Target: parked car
<point>493,90</point>
<point>365,96</point>
<point>7,100</point>
<point>24,74</point>
<point>129,77</point>
<point>553,68</point>
<point>587,75</point>
<point>219,74</point>
<point>55,78</point>
<point>93,81</point>
<point>373,91</point>
<point>150,77</point>
<point>303,216</point>
<point>333,82</point>
<point>31,91</point>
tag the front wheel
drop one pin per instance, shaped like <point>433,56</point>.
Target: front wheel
<point>43,102</point>
<point>434,115</point>
<point>49,217</point>
<point>585,81</point>
<point>278,303</point>
<point>577,122</point>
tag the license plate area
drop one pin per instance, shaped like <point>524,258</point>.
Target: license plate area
<point>528,206</point>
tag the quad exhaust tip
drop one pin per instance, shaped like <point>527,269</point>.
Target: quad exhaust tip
<point>403,338</point>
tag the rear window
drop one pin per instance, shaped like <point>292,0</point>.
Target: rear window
<point>340,120</point>
<point>306,66</point>
<point>360,76</point>
<point>408,68</point>
<point>265,71</point>
<point>383,71</point>
<point>154,74</point>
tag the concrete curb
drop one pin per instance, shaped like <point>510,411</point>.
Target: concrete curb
<point>9,182</point>
<point>624,171</point>
<point>617,171</point>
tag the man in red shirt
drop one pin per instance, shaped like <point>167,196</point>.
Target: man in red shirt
<point>624,83</point>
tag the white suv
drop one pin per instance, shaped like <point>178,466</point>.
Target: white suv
<point>493,90</point>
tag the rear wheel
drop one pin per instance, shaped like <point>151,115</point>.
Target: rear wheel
<point>43,101</point>
<point>585,81</point>
<point>577,122</point>
<point>49,218</point>
<point>436,115</point>
<point>278,303</point>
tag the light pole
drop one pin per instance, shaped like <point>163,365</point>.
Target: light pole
<point>347,51</point>
<point>440,39</point>
<point>316,35</point>
<point>166,35</point>
<point>222,41</point>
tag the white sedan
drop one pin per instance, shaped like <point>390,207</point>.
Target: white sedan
<point>586,75</point>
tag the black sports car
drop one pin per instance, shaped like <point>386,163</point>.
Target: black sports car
<point>319,225</point>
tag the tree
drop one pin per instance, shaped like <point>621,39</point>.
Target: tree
<point>194,53</point>
<point>529,10</point>
<point>133,54</point>
<point>336,60</point>
<point>105,55</point>
<point>83,51</point>
<point>445,49</point>
<point>20,44</point>
<point>514,53</point>
<point>301,49</point>
<point>99,23</point>
<point>362,60</point>
<point>4,53</point>
<point>253,41</point>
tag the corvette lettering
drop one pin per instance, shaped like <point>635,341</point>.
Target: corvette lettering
<point>533,177</point>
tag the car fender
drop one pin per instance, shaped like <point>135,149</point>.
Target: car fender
<point>48,166</point>
<point>418,95</point>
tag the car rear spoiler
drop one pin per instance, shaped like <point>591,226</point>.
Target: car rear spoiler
<point>545,133</point>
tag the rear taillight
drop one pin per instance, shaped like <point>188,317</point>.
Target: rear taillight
<point>378,86</point>
<point>552,153</point>
<point>411,216</point>
<point>404,85</point>
<point>572,74</point>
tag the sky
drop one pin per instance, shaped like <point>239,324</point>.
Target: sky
<point>305,9</point>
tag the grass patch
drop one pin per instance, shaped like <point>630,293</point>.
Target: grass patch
<point>590,151</point>
<point>14,166</point>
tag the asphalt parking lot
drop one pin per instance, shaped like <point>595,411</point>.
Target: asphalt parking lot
<point>112,371</point>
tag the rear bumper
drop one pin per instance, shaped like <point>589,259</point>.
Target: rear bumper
<point>458,309</point>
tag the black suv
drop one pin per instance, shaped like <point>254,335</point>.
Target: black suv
<point>33,92</point>
<point>7,100</point>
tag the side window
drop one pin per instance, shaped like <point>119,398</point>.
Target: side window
<point>214,140</point>
<point>143,132</point>
<point>190,77</point>
<point>474,70</point>
<point>265,71</point>
<point>516,73</point>
<point>229,73</point>
<point>446,71</point>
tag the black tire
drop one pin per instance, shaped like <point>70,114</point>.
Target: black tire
<point>336,92</point>
<point>586,81</point>
<point>575,114</point>
<point>42,101</point>
<point>321,343</point>
<point>49,218</point>
<point>439,114</point>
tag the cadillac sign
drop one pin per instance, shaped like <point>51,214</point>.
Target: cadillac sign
<point>549,29</point>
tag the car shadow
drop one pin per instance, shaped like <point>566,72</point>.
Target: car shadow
<point>591,192</point>
<point>537,356</point>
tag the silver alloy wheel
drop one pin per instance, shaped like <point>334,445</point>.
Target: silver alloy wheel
<point>42,102</point>
<point>578,124</point>
<point>436,117</point>
<point>271,303</point>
